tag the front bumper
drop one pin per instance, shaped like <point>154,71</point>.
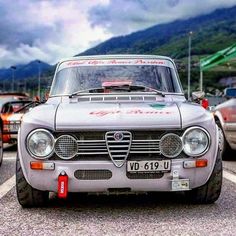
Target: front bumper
<point>48,179</point>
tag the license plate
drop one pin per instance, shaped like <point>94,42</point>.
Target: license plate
<point>149,166</point>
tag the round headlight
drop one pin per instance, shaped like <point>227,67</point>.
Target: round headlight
<point>196,141</point>
<point>40,143</point>
<point>171,145</point>
<point>66,147</point>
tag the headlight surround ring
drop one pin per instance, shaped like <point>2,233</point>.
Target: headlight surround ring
<point>50,142</point>
<point>178,148</point>
<point>204,136</point>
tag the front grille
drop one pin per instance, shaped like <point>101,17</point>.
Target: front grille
<point>142,142</point>
<point>118,146</point>
<point>93,174</point>
<point>143,145</point>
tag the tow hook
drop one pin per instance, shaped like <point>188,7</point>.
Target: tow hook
<point>62,185</point>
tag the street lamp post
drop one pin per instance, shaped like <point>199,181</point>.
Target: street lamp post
<point>13,77</point>
<point>189,62</point>
<point>39,78</point>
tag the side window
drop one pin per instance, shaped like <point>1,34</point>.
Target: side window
<point>4,108</point>
<point>7,108</point>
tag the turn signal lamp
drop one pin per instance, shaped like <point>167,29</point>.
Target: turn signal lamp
<point>38,165</point>
<point>201,163</point>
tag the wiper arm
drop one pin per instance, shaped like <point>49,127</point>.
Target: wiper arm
<point>127,87</point>
<point>91,90</point>
<point>124,87</point>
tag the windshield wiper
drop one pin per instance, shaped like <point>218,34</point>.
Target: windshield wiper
<point>129,88</point>
<point>90,90</point>
<point>124,87</point>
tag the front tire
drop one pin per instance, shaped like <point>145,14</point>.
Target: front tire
<point>27,195</point>
<point>226,149</point>
<point>209,192</point>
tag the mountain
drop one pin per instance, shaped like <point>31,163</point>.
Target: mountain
<point>25,71</point>
<point>211,33</point>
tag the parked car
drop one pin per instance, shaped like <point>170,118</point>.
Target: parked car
<point>12,107</point>
<point>225,115</point>
<point>12,119</point>
<point>117,124</point>
<point>9,102</point>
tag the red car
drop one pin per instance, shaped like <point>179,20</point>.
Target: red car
<point>9,104</point>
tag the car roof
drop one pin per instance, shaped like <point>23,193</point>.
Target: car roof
<point>116,56</point>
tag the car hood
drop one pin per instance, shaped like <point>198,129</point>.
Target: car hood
<point>193,114</point>
<point>114,115</point>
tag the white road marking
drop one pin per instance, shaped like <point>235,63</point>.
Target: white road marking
<point>7,186</point>
<point>229,176</point>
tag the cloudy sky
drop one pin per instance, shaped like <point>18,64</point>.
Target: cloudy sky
<point>53,29</point>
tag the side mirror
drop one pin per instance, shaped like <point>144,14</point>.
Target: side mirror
<point>198,96</point>
<point>230,92</point>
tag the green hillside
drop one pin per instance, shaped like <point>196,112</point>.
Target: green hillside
<point>211,33</point>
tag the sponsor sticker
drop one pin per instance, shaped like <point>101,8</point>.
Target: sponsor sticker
<point>104,62</point>
<point>102,113</point>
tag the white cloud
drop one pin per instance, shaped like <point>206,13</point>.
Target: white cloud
<point>140,14</point>
<point>46,30</point>
<point>50,30</point>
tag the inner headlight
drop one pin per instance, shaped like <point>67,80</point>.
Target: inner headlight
<point>196,141</point>
<point>40,143</point>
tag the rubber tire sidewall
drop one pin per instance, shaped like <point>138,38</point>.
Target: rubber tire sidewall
<point>27,195</point>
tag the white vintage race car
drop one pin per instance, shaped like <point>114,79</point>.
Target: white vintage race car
<point>117,124</point>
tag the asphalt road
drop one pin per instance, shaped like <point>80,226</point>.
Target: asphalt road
<point>159,214</point>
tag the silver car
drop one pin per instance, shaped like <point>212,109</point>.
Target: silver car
<point>117,124</point>
<point>225,116</point>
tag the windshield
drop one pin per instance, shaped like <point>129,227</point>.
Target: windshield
<point>73,79</point>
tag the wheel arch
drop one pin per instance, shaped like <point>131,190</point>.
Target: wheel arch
<point>218,117</point>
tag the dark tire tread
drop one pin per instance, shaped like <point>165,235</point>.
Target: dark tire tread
<point>27,195</point>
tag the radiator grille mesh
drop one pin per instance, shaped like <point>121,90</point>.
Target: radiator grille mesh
<point>66,147</point>
<point>93,174</point>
